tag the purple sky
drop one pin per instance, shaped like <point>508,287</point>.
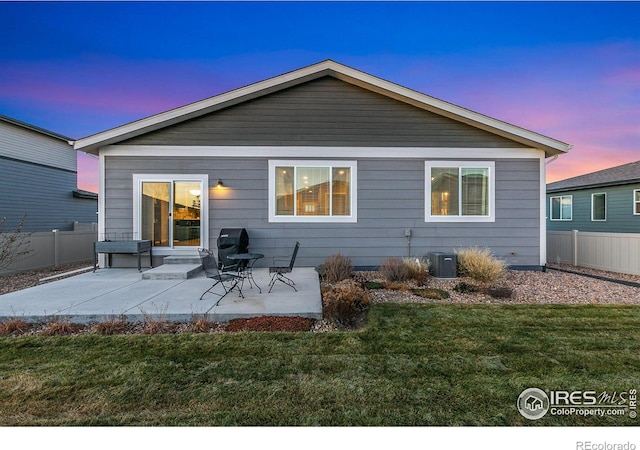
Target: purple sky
<point>567,70</point>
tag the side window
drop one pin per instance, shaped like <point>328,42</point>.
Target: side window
<point>561,207</point>
<point>599,207</point>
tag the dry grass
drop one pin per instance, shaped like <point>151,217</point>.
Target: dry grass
<point>479,264</point>
<point>61,329</point>
<point>394,269</point>
<point>14,327</point>
<point>337,268</point>
<point>111,327</point>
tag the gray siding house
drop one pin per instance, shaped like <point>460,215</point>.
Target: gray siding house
<point>38,177</point>
<point>606,201</point>
<point>335,158</point>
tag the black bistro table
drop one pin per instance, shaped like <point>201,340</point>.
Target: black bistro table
<point>245,266</point>
<point>136,247</point>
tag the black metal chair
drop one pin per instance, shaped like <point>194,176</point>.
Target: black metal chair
<point>278,272</point>
<point>211,270</point>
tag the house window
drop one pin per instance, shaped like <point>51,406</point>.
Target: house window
<point>460,191</point>
<point>599,207</point>
<point>636,201</point>
<point>561,207</point>
<point>312,191</point>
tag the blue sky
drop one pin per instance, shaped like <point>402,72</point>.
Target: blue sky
<point>570,70</point>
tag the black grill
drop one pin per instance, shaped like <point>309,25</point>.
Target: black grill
<point>231,241</point>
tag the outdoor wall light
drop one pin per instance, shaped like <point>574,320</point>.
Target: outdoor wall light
<point>219,184</point>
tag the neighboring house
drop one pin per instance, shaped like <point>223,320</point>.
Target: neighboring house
<point>332,157</point>
<point>38,177</point>
<point>604,201</point>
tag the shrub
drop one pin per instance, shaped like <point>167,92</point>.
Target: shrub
<point>336,268</point>
<point>61,329</point>
<point>394,269</point>
<point>344,302</point>
<point>110,327</point>
<point>418,269</point>
<point>14,326</point>
<point>479,264</point>
<point>465,288</point>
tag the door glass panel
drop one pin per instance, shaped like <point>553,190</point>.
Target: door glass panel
<point>155,213</point>
<point>186,213</point>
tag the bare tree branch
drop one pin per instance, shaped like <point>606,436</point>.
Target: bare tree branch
<point>14,244</point>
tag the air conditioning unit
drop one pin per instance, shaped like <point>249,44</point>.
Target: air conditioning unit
<point>443,265</point>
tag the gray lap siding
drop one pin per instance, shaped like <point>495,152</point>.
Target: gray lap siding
<point>391,198</point>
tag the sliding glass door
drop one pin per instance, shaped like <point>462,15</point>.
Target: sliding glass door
<point>170,212</point>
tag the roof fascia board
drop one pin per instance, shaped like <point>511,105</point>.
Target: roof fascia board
<point>30,127</point>
<point>199,108</point>
<point>594,186</point>
<point>420,100</point>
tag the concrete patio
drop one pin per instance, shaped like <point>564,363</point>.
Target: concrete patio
<point>110,294</point>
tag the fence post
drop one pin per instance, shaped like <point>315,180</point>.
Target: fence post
<point>574,246</point>
<point>56,248</point>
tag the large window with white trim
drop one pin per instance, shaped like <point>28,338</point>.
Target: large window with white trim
<point>636,202</point>
<point>460,191</point>
<point>312,191</point>
<point>561,207</point>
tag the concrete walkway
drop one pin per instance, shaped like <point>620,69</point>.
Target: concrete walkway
<point>110,294</point>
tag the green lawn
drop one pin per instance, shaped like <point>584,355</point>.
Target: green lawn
<point>410,365</point>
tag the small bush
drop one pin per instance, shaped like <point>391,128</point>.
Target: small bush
<point>61,329</point>
<point>480,264</point>
<point>418,269</point>
<point>394,269</point>
<point>465,288</point>
<point>14,327</point>
<point>373,285</point>
<point>336,268</point>
<point>201,325</point>
<point>110,327</point>
<point>432,293</point>
<point>344,302</point>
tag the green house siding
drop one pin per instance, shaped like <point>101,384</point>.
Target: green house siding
<point>620,217</point>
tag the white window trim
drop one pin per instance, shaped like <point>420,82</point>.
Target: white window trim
<point>490,165</point>
<point>353,165</point>
<point>138,178</point>
<point>605,206</point>
<point>551,208</point>
<point>635,202</point>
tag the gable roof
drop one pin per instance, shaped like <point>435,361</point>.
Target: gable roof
<point>528,138</point>
<point>624,174</point>
<point>30,127</point>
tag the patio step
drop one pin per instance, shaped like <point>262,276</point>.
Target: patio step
<point>193,259</point>
<point>172,272</point>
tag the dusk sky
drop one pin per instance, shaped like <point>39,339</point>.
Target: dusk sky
<point>570,70</point>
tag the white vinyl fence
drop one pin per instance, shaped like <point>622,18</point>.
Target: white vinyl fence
<point>615,252</point>
<point>55,248</point>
